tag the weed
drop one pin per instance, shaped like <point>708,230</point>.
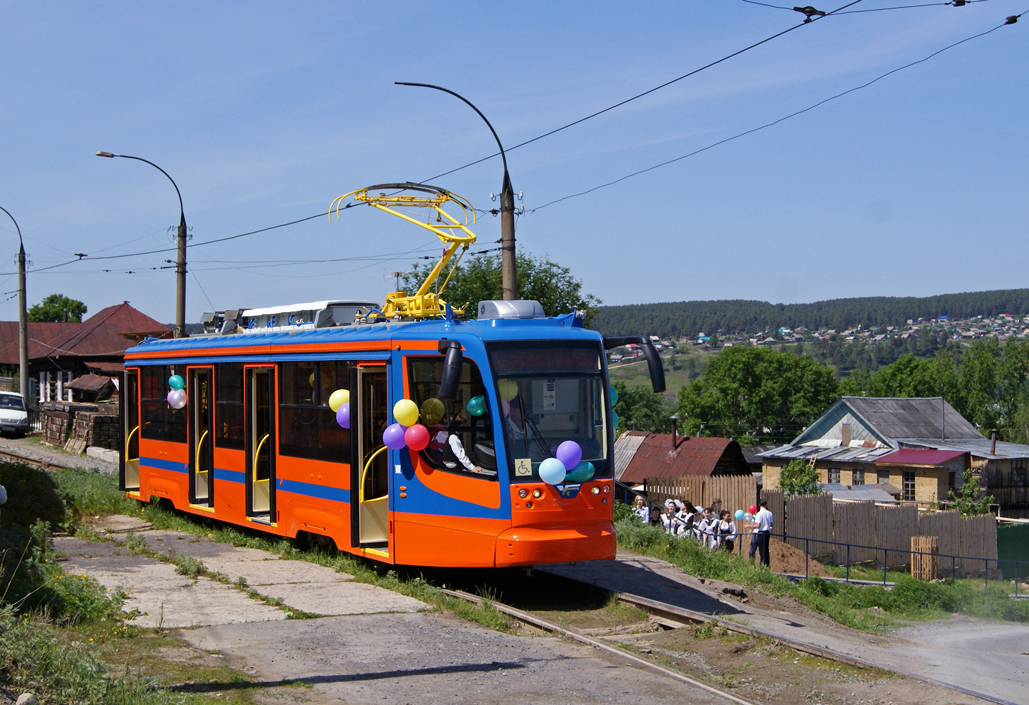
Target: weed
<point>189,566</point>
<point>135,542</point>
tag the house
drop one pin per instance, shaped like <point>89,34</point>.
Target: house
<point>921,446</point>
<point>39,334</point>
<point>640,456</point>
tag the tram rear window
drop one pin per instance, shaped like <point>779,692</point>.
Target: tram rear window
<point>228,405</point>
<point>307,426</point>
<point>160,422</point>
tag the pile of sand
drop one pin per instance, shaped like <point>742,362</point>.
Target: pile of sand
<point>787,559</point>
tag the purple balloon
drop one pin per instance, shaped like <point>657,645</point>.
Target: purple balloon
<point>393,436</point>
<point>343,415</point>
<point>569,453</point>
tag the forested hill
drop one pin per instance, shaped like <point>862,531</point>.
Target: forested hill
<point>689,318</point>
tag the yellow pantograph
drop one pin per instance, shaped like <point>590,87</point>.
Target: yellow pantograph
<point>426,302</point>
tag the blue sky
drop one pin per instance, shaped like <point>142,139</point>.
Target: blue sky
<point>263,113</point>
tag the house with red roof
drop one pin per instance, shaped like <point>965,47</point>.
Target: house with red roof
<point>642,456</point>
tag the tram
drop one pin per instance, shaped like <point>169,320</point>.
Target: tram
<point>402,432</point>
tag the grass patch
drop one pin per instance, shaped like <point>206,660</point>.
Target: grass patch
<point>870,608</point>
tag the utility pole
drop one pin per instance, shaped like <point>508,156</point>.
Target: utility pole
<point>508,266</point>
<point>180,260</point>
<point>23,318</point>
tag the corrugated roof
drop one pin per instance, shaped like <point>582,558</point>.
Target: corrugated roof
<point>837,455</point>
<point>919,456</point>
<point>89,383</point>
<point>104,334</point>
<point>39,334</point>
<point>102,366</point>
<point>875,493</point>
<point>979,447</point>
<point>912,418</point>
<point>625,447</point>
<point>656,457</point>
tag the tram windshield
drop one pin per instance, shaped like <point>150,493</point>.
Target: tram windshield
<point>552,392</point>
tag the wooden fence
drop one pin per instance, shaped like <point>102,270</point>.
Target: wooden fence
<point>811,517</point>
<point>894,527</point>
<point>854,523</point>
<point>734,491</point>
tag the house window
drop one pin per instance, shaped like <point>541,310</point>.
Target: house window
<point>907,491</point>
<point>857,477</point>
<point>1018,472</point>
<point>882,477</point>
<point>834,476</point>
<point>952,482</point>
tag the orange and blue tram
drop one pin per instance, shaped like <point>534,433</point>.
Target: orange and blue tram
<point>255,442</point>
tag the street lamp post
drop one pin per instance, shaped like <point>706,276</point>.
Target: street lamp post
<point>180,261</point>
<point>508,271</point>
<point>23,318</point>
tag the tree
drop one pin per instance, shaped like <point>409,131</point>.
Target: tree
<point>765,396</point>
<point>479,279</point>
<point>57,308</point>
<point>640,409</point>
<point>967,501</point>
<point>798,477</point>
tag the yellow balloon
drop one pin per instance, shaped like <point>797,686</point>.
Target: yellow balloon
<point>310,380</point>
<point>508,388</point>
<point>433,411</point>
<point>405,412</point>
<point>338,398</point>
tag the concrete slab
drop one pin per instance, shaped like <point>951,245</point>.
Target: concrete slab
<point>341,598</point>
<point>119,524</point>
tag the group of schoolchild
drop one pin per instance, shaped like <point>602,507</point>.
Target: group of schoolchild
<point>713,527</point>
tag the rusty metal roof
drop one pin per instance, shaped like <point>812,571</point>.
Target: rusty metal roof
<point>89,383</point>
<point>105,367</point>
<point>625,448</point>
<point>39,334</point>
<point>656,457</point>
<point>107,334</point>
<point>918,456</point>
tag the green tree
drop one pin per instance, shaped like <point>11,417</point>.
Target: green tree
<point>798,477</point>
<point>757,394</point>
<point>980,385</point>
<point>968,500</point>
<point>57,308</point>
<point>639,409</point>
<point>479,279</point>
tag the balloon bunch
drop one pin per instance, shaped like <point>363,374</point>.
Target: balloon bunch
<point>339,402</point>
<point>614,400</point>
<point>177,395</point>
<point>567,465</point>
<point>407,432</point>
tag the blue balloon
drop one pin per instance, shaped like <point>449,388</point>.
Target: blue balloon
<point>176,382</point>
<point>614,420</point>
<point>614,395</point>
<point>739,514</point>
<point>582,472</point>
<point>477,405</point>
<point>552,471</point>
<point>343,415</point>
<point>393,437</point>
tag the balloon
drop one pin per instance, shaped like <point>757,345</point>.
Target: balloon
<point>552,471</point>
<point>437,437</point>
<point>569,453</point>
<point>405,412</point>
<point>752,509</point>
<point>433,411</point>
<point>338,398</point>
<point>614,395</point>
<point>416,437</point>
<point>739,514</point>
<point>176,382</point>
<point>508,389</point>
<point>393,436</point>
<point>614,420</point>
<point>310,380</point>
<point>581,472</point>
<point>477,405</point>
<point>343,415</point>
<point>748,516</point>
<point>177,398</point>
<point>505,406</point>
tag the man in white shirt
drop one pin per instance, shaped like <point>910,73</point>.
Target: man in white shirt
<point>762,529</point>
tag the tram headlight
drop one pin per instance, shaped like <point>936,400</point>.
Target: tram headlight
<point>596,489</point>
<point>537,493</point>
<point>528,505</point>
<point>523,494</point>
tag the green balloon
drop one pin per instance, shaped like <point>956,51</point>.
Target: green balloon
<point>477,405</point>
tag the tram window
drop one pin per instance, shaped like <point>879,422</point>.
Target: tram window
<point>452,417</point>
<point>228,405</point>
<point>307,426</point>
<point>160,421</point>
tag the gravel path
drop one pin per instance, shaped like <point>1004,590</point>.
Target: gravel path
<point>53,455</point>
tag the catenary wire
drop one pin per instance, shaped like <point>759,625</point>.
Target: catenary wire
<point>769,124</point>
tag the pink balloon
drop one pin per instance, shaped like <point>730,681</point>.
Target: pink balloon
<point>393,436</point>
<point>437,437</point>
<point>417,437</point>
<point>505,406</point>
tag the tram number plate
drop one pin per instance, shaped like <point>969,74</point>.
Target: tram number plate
<point>523,467</point>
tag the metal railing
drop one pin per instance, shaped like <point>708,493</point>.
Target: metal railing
<point>36,417</point>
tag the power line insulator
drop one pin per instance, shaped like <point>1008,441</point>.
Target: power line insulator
<point>809,12</point>
<point>1011,20</point>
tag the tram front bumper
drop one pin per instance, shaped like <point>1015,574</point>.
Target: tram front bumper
<point>556,543</point>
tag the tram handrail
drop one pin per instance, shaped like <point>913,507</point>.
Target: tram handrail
<point>364,473</point>
<point>257,453</point>
<point>127,442</point>
<point>200,444</point>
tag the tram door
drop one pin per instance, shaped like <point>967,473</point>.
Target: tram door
<point>369,486</point>
<point>201,440</point>
<point>260,443</point>
<point>130,426</point>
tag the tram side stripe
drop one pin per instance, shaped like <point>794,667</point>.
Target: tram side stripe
<point>333,494</point>
<point>158,464</point>
<point>222,474</point>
